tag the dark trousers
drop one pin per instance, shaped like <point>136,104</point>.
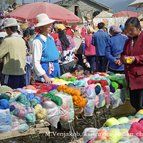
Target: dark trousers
<point>101,63</point>
<point>91,60</point>
<point>13,81</point>
<point>136,99</point>
<point>114,71</point>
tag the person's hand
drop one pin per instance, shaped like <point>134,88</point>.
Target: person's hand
<point>118,62</point>
<point>129,59</point>
<point>47,79</point>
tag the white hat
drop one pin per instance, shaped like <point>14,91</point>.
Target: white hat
<point>9,22</point>
<point>43,19</point>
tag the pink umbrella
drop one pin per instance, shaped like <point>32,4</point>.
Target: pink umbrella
<point>126,14</point>
<point>54,11</point>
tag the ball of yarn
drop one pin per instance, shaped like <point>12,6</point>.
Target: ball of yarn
<point>102,134</point>
<point>4,96</point>
<point>131,117</point>
<point>134,120</point>
<point>41,114</point>
<point>123,120</point>
<point>112,89</point>
<point>97,89</point>
<point>4,89</point>
<point>115,135</point>
<point>140,111</point>
<point>115,85</point>
<point>111,122</point>
<point>30,118</point>
<point>4,104</point>
<point>37,108</point>
<point>138,115</point>
<point>89,134</point>
<point>12,108</point>
<point>23,127</point>
<point>124,132</point>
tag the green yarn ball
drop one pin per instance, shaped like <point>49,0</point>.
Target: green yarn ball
<point>123,120</point>
<point>115,85</point>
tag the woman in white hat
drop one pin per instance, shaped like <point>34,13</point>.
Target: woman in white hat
<point>45,54</point>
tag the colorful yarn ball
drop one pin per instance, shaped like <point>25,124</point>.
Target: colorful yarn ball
<point>115,135</point>
<point>115,85</point>
<point>123,120</point>
<point>30,118</point>
<point>12,108</point>
<point>97,89</point>
<point>4,104</point>
<point>112,89</point>
<point>4,96</point>
<point>140,111</point>
<point>111,122</point>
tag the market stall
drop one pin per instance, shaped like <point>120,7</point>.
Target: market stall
<point>61,101</point>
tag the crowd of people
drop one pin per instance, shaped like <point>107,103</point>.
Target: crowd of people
<point>50,49</point>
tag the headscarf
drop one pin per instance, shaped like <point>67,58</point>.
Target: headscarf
<point>115,29</point>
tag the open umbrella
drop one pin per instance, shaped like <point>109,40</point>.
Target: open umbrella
<point>126,14</point>
<point>30,11</point>
<point>137,4</point>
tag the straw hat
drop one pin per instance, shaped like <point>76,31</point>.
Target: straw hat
<point>60,26</point>
<point>9,22</point>
<point>43,20</point>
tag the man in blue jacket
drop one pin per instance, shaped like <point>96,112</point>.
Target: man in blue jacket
<point>100,40</point>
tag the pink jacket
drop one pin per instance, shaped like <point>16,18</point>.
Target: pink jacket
<point>90,50</point>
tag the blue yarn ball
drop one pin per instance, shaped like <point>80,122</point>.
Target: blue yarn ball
<point>12,108</point>
<point>112,89</point>
<point>4,104</point>
<point>97,89</point>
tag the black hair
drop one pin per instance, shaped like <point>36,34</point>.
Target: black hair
<point>101,25</point>
<point>76,68</point>
<point>27,32</point>
<point>63,38</point>
<point>13,28</point>
<point>134,21</point>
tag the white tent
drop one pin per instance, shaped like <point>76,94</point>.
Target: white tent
<point>104,14</point>
<point>137,4</point>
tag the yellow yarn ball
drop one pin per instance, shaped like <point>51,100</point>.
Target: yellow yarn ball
<point>41,114</point>
<point>38,107</point>
<point>140,111</point>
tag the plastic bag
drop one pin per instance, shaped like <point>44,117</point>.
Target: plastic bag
<point>67,109</point>
<point>53,112</point>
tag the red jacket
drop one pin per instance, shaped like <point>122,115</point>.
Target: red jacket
<point>134,72</point>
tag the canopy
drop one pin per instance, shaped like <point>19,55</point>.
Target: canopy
<point>126,14</point>
<point>54,11</point>
<point>104,14</point>
<point>137,4</point>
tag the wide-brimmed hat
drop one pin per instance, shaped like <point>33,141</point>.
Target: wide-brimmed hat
<point>60,26</point>
<point>43,20</point>
<point>9,22</point>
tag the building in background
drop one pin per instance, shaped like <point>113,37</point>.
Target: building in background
<point>84,8</point>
